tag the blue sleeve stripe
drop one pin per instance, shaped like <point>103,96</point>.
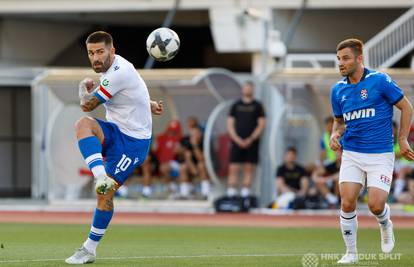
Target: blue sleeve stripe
<point>100,98</point>
<point>398,99</point>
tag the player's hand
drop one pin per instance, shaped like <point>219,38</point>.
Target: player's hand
<point>248,142</point>
<point>157,108</point>
<point>405,149</point>
<point>87,85</point>
<point>334,141</point>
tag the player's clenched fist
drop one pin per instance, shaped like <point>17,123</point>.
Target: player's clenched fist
<point>334,141</point>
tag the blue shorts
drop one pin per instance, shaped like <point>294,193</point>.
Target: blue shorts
<point>123,153</point>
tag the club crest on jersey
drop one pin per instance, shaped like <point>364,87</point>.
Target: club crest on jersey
<point>364,94</point>
<point>385,179</point>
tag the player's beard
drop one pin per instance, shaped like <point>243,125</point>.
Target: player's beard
<point>99,66</point>
<point>350,71</point>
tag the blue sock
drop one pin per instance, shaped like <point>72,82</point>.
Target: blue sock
<point>91,150</point>
<point>100,222</point>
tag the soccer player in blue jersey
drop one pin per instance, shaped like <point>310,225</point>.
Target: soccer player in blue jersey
<point>124,138</point>
<point>362,103</point>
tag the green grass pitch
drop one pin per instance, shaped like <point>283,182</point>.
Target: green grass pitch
<point>125,245</point>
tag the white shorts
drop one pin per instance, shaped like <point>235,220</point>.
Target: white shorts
<point>374,169</point>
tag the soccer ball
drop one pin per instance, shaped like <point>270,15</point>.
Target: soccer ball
<point>163,44</point>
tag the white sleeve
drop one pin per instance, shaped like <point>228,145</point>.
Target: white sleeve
<point>109,86</point>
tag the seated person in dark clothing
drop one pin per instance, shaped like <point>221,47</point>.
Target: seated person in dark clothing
<point>192,164</point>
<point>291,180</point>
<point>326,179</point>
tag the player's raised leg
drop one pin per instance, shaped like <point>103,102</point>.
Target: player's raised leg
<point>90,137</point>
<point>348,220</point>
<point>377,204</point>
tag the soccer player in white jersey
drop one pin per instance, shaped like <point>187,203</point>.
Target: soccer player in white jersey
<point>362,103</point>
<point>124,138</point>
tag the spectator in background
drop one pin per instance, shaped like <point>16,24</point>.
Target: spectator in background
<point>291,180</point>
<point>192,160</point>
<point>403,169</point>
<point>327,155</point>
<point>406,193</point>
<point>245,124</point>
<point>326,180</point>
<point>150,167</point>
<point>166,151</point>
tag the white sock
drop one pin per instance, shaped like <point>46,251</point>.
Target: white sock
<point>91,245</point>
<point>173,187</point>
<point>98,170</point>
<point>384,218</point>
<point>349,227</point>
<point>231,192</point>
<point>244,192</point>
<point>185,189</point>
<point>205,187</point>
<point>147,191</point>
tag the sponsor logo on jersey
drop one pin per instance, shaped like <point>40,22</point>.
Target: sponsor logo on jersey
<point>105,82</point>
<point>359,114</point>
<point>364,94</point>
<point>385,179</point>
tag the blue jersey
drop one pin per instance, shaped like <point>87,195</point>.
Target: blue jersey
<point>367,109</point>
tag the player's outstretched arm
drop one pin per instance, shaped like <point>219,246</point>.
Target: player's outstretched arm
<point>88,101</point>
<point>157,108</point>
<point>337,131</point>
<point>405,122</point>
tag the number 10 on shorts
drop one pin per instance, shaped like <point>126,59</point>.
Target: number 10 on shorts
<point>123,164</point>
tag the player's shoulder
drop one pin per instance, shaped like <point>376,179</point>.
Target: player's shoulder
<point>339,84</point>
<point>122,67</point>
<point>372,75</point>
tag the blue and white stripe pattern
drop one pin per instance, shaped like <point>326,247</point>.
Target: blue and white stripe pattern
<point>94,160</point>
<point>91,150</point>
<point>96,234</point>
<point>100,222</point>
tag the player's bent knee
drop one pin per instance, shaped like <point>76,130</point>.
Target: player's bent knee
<point>84,123</point>
<point>348,206</point>
<point>376,208</point>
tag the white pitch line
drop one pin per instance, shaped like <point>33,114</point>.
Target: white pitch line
<point>168,257</point>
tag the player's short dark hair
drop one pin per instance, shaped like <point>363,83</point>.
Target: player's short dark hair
<point>291,149</point>
<point>99,37</point>
<point>356,45</point>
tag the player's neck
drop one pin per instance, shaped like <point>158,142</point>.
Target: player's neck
<point>357,75</point>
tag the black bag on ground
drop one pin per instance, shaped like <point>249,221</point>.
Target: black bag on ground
<point>235,204</point>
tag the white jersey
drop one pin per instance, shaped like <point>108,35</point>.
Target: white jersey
<point>126,99</point>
